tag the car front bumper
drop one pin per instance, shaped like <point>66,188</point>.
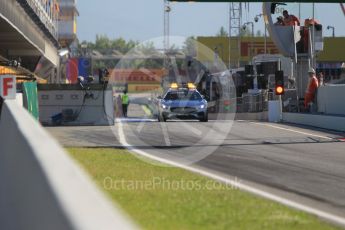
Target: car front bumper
<point>181,113</point>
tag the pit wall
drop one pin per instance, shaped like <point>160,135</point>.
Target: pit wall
<point>331,100</point>
<point>336,123</point>
<point>94,106</point>
<point>331,110</point>
<point>41,186</point>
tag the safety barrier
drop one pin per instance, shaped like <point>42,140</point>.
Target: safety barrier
<point>330,99</point>
<point>41,187</point>
<point>336,123</point>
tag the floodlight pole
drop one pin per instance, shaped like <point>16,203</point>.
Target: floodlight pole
<point>262,15</point>
<point>252,40</point>
<point>167,10</point>
<point>333,30</point>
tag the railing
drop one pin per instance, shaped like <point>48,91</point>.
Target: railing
<point>48,23</point>
<point>252,103</point>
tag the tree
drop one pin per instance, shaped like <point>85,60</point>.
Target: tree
<point>247,32</point>
<point>173,49</point>
<point>131,45</point>
<point>102,43</point>
<point>119,44</point>
<point>189,47</point>
<point>147,48</point>
<point>259,33</point>
<point>106,46</point>
<point>222,32</point>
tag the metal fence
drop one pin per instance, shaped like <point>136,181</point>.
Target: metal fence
<point>253,103</point>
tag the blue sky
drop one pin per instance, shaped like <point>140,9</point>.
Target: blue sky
<point>143,19</point>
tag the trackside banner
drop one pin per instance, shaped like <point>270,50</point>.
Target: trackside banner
<point>8,87</point>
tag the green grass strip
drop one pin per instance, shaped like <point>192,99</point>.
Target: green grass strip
<point>172,198</point>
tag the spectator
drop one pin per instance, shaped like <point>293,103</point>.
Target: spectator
<point>280,21</point>
<point>290,19</point>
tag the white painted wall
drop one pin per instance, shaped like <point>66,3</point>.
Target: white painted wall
<point>331,99</point>
<point>41,186</point>
<point>321,121</point>
<point>94,111</point>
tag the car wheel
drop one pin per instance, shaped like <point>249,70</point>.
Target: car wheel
<point>161,118</point>
<point>205,118</point>
<point>164,119</point>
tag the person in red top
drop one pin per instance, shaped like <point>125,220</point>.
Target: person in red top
<point>290,19</point>
<point>313,84</point>
<point>309,22</point>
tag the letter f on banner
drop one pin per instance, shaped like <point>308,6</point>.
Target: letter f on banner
<point>7,83</point>
<point>8,87</point>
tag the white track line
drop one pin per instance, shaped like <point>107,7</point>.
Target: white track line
<point>192,129</point>
<point>165,134</point>
<point>292,130</point>
<point>327,216</point>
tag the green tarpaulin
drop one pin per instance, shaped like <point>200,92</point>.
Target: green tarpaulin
<point>31,98</point>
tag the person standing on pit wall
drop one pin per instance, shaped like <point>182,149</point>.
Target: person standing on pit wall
<point>290,19</point>
<point>280,21</point>
<point>309,97</point>
<point>125,103</point>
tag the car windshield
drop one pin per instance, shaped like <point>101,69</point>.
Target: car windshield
<point>183,96</point>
